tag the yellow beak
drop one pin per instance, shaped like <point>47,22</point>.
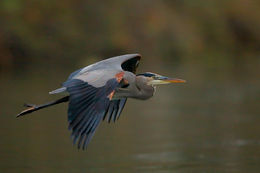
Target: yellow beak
<point>165,80</point>
<point>174,80</point>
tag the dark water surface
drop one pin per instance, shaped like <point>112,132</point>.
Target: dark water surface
<point>211,124</point>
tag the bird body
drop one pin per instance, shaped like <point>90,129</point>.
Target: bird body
<point>100,91</point>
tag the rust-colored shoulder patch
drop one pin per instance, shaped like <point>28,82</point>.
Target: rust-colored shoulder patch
<point>110,96</point>
<point>119,76</point>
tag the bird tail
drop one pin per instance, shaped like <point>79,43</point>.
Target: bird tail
<point>31,108</point>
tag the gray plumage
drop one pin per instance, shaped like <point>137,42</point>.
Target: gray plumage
<point>100,91</point>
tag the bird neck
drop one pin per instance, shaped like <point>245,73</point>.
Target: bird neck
<point>145,91</point>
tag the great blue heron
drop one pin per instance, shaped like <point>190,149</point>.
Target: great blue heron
<point>100,90</point>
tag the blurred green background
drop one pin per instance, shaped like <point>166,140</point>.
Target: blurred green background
<point>210,124</point>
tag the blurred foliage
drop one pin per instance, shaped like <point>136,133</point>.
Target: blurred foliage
<point>214,33</point>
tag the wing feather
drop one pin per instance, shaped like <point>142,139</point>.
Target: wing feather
<point>115,109</point>
<point>87,107</point>
<point>90,89</point>
<point>121,107</point>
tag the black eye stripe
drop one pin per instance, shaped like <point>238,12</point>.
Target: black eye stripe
<point>146,74</point>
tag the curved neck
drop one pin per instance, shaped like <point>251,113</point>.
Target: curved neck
<point>137,89</point>
<point>145,91</point>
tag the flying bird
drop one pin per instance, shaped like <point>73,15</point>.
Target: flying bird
<point>100,91</point>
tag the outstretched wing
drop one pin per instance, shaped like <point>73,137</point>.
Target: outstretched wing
<point>91,90</point>
<point>88,104</point>
<point>128,62</point>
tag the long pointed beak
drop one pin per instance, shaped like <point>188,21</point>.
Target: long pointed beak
<point>165,80</point>
<point>172,80</point>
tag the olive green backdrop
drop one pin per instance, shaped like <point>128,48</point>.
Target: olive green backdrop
<point>210,124</point>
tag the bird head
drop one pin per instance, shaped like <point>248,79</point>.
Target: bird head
<point>156,79</point>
